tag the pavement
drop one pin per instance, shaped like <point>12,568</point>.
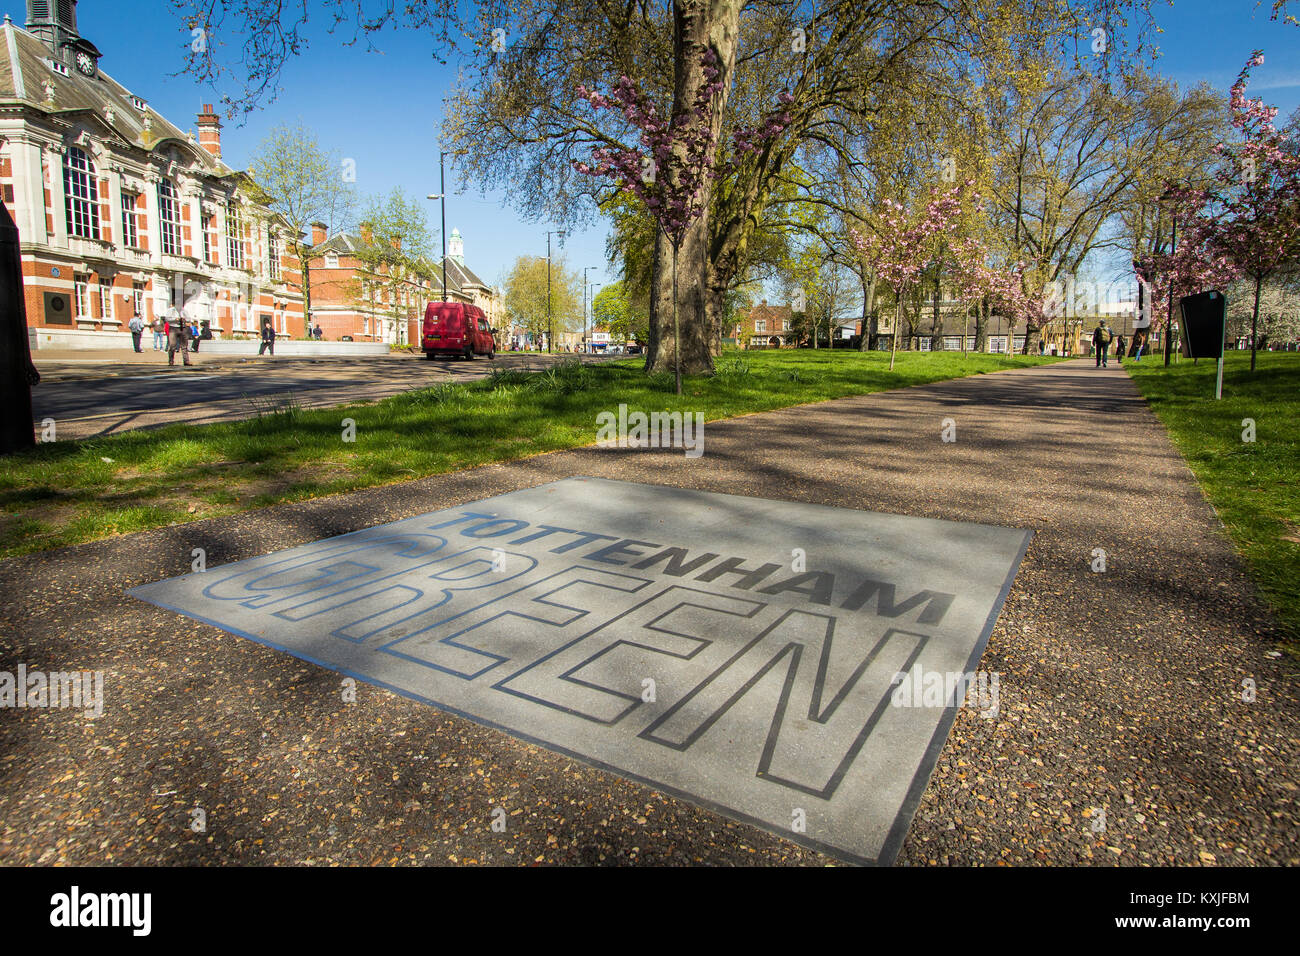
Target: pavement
<point>114,393</point>
<point>1145,717</point>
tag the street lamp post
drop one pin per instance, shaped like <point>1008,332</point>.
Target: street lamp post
<point>594,287</point>
<point>441,196</point>
<point>550,338</point>
<point>1166,197</point>
<point>584,304</point>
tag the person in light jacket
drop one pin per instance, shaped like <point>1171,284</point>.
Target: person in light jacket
<point>136,325</point>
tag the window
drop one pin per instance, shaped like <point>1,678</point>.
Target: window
<point>234,237</point>
<point>106,309</point>
<point>82,191</point>
<point>81,297</point>
<point>137,295</point>
<point>211,242</point>
<point>785,325</point>
<point>760,325</point>
<point>331,260</point>
<point>273,256</point>
<point>130,233</point>
<point>169,217</point>
<point>925,343</point>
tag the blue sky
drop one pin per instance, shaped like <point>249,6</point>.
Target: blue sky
<point>384,109</point>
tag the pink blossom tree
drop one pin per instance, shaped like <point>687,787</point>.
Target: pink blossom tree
<point>672,169</point>
<point>901,244</point>
<point>1249,220</point>
<point>1190,267</point>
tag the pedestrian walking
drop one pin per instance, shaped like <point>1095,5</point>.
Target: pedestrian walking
<point>316,332</point>
<point>178,334</point>
<point>1121,348</point>
<point>159,331</point>
<point>136,325</point>
<point>268,339</point>
<point>194,336</point>
<point>1101,342</point>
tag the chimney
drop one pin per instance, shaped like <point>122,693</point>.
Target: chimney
<point>318,233</point>
<point>210,130</point>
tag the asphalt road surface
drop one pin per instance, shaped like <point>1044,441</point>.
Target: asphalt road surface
<point>103,400</point>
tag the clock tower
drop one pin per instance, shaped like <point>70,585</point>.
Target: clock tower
<point>55,22</point>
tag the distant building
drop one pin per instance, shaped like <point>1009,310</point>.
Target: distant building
<point>345,301</point>
<point>121,212</point>
<point>766,326</point>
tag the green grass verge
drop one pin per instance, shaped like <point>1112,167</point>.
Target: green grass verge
<point>1254,486</point>
<point>68,492</point>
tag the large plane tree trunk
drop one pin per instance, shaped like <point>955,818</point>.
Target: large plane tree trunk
<point>17,373</point>
<point>697,25</point>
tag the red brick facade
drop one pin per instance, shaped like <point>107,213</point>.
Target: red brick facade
<point>119,210</point>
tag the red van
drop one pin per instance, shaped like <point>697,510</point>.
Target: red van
<point>453,328</point>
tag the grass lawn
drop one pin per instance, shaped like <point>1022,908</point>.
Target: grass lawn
<point>73,491</point>
<point>1254,486</point>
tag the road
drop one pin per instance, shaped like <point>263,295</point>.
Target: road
<point>86,400</point>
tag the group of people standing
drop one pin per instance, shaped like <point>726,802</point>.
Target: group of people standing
<point>173,333</point>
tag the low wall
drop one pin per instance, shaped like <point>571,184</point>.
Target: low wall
<point>61,339</point>
<point>294,347</point>
<point>76,339</point>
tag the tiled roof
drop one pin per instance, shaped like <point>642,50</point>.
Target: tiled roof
<point>464,275</point>
<point>459,277</point>
<point>763,310</point>
<point>25,72</point>
<point>340,242</point>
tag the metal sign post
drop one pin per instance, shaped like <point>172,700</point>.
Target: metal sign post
<point>1223,346</point>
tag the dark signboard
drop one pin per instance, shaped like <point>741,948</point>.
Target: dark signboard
<point>1202,324</point>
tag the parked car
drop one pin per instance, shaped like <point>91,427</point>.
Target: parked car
<point>454,328</point>
<point>634,349</point>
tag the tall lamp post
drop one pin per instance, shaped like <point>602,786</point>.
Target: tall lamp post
<point>594,287</point>
<point>1165,197</point>
<point>584,305</point>
<point>550,338</point>
<point>441,196</point>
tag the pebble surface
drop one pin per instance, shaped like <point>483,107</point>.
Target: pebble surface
<point>1122,736</point>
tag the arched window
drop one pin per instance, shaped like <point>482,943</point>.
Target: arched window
<point>169,217</point>
<point>81,187</point>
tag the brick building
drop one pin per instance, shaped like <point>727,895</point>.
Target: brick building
<point>119,210</point>
<point>766,326</point>
<point>348,300</point>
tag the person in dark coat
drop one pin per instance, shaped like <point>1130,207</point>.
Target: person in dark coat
<point>268,339</point>
<point>1121,348</point>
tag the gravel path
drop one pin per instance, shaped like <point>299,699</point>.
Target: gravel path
<point>1120,691</point>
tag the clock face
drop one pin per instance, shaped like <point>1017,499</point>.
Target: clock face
<point>85,64</point>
